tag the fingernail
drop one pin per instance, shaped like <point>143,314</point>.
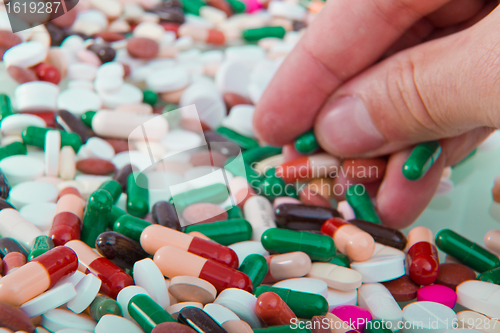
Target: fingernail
<point>347,128</point>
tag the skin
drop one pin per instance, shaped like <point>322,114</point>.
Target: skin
<point>418,70</point>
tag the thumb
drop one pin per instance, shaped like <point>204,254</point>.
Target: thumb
<point>436,90</point>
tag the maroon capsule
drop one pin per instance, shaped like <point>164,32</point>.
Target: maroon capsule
<point>142,48</point>
<point>95,166</point>
<point>423,263</point>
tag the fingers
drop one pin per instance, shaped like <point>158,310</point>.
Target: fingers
<point>345,38</point>
<point>455,12</point>
<point>435,90</point>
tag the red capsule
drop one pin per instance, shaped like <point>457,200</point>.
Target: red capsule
<point>423,263</point>
<point>48,116</point>
<point>47,72</point>
<point>67,221</point>
<point>273,310</point>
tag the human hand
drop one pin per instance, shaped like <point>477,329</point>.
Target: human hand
<point>440,80</point>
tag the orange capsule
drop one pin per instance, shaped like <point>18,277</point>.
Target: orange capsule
<point>308,167</point>
<point>273,310</point>
<point>364,170</point>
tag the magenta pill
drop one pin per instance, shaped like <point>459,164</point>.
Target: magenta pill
<point>437,293</point>
<point>355,316</point>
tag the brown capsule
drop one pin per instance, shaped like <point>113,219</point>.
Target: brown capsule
<point>364,170</point>
<point>118,145</point>
<point>109,36</point>
<point>122,175</point>
<point>169,13</point>
<point>104,52</point>
<point>121,250</point>
<point>318,326</point>
<point>15,319</point>
<point>142,48</point>
<point>452,274</point>
<point>21,75</point>
<point>309,196</point>
<point>403,289</point>
<point>57,35</point>
<point>172,327</point>
<point>95,166</point>
<point>273,310</point>
<point>70,122</point>
<point>9,39</point>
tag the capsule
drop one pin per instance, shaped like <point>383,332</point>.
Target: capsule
<point>12,261</point>
<point>259,212</point>
<point>113,277</point>
<point>14,148</point>
<point>41,245</point>
<point>234,213</point>
<point>5,106</point>
<point>258,154</point>
<point>216,194</point>
<point>199,320</point>
<point>67,221</point>
<point>465,251</point>
<point>381,234</point>
<point>492,241</point>
<point>164,214</point>
<point>121,176</point>
<point>95,220</point>
<point>308,167</point>
<point>103,305</point>
<point>287,266</point>
<point>421,159</point>
<point>273,187</point>
<point>8,244</point>
<point>202,34</point>
<point>13,225</point>
<point>349,239</point>
<point>243,141</point>
<point>252,35</point>
<point>174,262</point>
<point>137,194</point>
<point>304,305</point>
<point>114,215</point>
<point>114,188</point>
<point>306,143</point>
<point>35,136</point>
<point>255,266</point>
<point>130,226</point>
<point>38,275</point>
<point>121,250</point>
<point>147,313</point>
<point>273,310</point>
<point>340,260</point>
<point>358,199</point>
<point>492,276</point>
<point>422,257</point>
<point>71,123</point>
<point>224,232</point>
<point>317,247</point>
<point>155,237</point>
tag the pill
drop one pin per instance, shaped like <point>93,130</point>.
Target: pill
<point>336,277</point>
<point>382,234</point>
<point>471,319</point>
<point>428,315</point>
<point>71,123</point>
<point>41,245</point>
<point>479,296</point>
<point>103,305</point>
<point>192,289</point>
<point>203,213</point>
<point>32,192</point>
<point>172,328</point>
<point>11,261</point>
<point>356,316</point>
<point>121,250</point>
<point>452,274</point>
<point>314,166</point>
<point>360,201</point>
<point>403,289</point>
<point>438,294</point>
<point>176,308</point>
<point>8,244</point>
<point>303,217</point>
<point>364,170</point>
<point>422,258</point>
<point>58,319</point>
<point>273,310</point>
<point>421,159</point>
<point>198,319</point>
<point>146,312</point>
<point>169,260</point>
<point>377,299</point>
<point>491,241</point>
<point>111,322</point>
<point>86,291</point>
<point>49,300</point>
<point>287,265</point>
<point>12,224</point>
<point>259,213</point>
<point>384,265</point>
<point>124,297</point>
<point>224,232</point>
<point>14,319</point>
<point>309,196</point>
<point>95,219</point>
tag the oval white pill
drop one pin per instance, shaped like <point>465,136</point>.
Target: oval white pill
<point>480,296</point>
<point>242,303</point>
<point>25,55</point>
<point>78,101</point>
<point>49,300</point>
<point>336,277</point>
<point>16,123</point>
<point>59,319</point>
<point>86,290</point>
<point>97,147</point>
<point>428,316</point>
<point>40,214</point>
<point>21,168</point>
<point>32,192</point>
<point>52,150</point>
<point>337,297</point>
<point>377,299</point>
<point>127,94</point>
<point>148,276</point>
<point>36,95</point>
<point>167,79</point>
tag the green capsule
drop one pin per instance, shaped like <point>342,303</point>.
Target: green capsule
<point>377,326</point>
<point>95,219</point>
<point>224,232</point>
<point>114,188</point>
<point>294,328</point>
<point>360,201</point>
<point>114,215</point>
<point>238,6</point>
<point>137,194</point>
<point>15,148</point>
<point>130,226</point>
<point>41,245</point>
<point>35,136</point>
<point>243,141</point>
<point>304,305</point>
<point>192,6</point>
<point>149,97</point>
<point>235,212</point>
<point>492,276</point>
<point>273,187</point>
<point>147,313</point>
<point>216,194</point>
<point>258,154</point>
<point>306,143</point>
<point>318,247</point>
<point>240,169</point>
<point>5,107</point>
<point>103,305</point>
<point>340,260</point>
<point>465,251</point>
<point>421,159</point>
<point>255,266</point>
<point>87,117</point>
<point>252,35</point>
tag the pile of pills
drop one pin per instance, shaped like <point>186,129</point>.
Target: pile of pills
<point>135,197</point>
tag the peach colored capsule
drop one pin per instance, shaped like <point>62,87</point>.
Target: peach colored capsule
<point>419,234</point>
<point>492,241</point>
<point>308,167</point>
<point>11,261</point>
<point>286,266</point>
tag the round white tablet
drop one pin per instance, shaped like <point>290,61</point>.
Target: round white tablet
<point>242,303</point>
<point>112,68</point>
<point>378,300</point>
<point>220,313</point>
<point>49,300</point>
<point>58,319</point>
<point>36,95</point>
<point>246,248</point>
<point>52,150</point>
<point>97,147</point>
<point>480,296</point>
<point>40,214</point>
<point>16,123</point>
<point>111,323</point>
<point>25,55</point>
<point>427,316</point>
<point>148,276</point>
<point>387,263</point>
<point>307,285</point>
<point>32,192</point>
<point>192,289</point>
<point>337,297</point>
<point>125,295</point>
<point>127,94</point>
<point>336,277</point>
<point>109,84</point>
<point>173,310</point>
<point>78,101</point>
<point>86,291</point>
<point>180,140</point>
<point>168,79</point>
<point>234,77</point>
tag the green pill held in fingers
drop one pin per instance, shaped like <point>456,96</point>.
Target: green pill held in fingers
<point>243,141</point>
<point>95,219</point>
<point>421,159</point>
<point>360,201</point>
<point>257,154</point>
<point>147,313</point>
<point>306,143</point>
<point>137,194</point>
<point>255,266</point>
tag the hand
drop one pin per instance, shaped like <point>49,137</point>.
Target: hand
<point>439,80</point>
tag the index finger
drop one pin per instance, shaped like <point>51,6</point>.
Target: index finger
<point>345,38</point>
